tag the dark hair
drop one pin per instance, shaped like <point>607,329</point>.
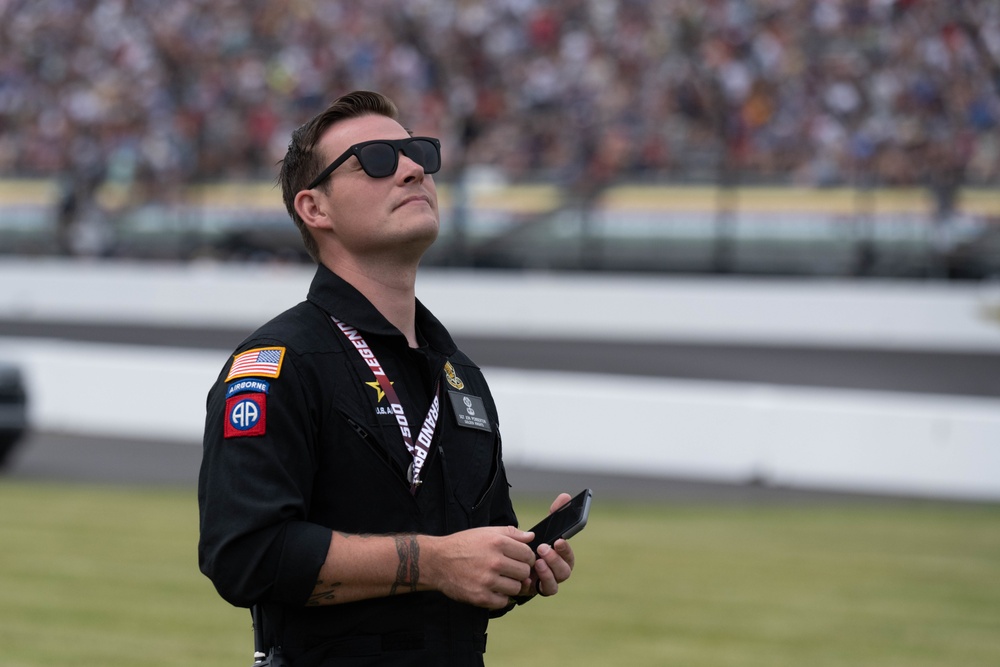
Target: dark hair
<point>301,162</point>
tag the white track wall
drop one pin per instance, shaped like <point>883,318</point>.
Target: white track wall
<point>925,445</point>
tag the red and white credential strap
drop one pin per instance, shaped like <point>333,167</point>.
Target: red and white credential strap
<point>420,447</point>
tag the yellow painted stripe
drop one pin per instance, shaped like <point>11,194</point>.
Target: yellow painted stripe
<point>539,198</point>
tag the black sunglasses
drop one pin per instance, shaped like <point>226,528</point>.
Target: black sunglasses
<point>380,158</point>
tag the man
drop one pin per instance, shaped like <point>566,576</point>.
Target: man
<point>352,487</point>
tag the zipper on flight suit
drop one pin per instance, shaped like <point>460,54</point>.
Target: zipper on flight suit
<point>369,440</point>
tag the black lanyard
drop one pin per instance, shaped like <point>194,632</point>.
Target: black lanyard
<point>420,447</point>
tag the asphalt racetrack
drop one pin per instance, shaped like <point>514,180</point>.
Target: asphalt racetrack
<point>66,458</point>
<point>954,372</point>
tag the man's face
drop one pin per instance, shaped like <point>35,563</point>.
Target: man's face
<point>398,213</point>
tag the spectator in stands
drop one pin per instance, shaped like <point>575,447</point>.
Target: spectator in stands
<point>808,91</point>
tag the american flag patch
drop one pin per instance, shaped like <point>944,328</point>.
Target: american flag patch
<point>258,362</point>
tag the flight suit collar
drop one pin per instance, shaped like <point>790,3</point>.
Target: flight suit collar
<point>339,298</point>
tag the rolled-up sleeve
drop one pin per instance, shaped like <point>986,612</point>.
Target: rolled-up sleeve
<point>256,544</point>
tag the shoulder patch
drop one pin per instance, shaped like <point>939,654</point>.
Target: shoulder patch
<point>258,362</point>
<point>246,414</point>
<point>248,384</point>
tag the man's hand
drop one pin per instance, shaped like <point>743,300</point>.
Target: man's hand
<point>554,564</point>
<point>485,567</point>
<point>481,566</point>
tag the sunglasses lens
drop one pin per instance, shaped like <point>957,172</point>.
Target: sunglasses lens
<point>378,160</point>
<point>424,153</point>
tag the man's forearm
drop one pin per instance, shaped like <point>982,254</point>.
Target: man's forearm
<point>360,567</point>
<point>483,567</point>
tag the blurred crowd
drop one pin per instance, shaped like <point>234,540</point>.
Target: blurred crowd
<point>584,92</point>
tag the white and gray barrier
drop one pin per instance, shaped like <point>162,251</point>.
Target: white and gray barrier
<point>916,444</point>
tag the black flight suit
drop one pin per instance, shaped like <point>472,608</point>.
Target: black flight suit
<point>307,446</point>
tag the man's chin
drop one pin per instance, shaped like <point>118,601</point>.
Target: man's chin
<point>419,240</point>
<point>426,230</point>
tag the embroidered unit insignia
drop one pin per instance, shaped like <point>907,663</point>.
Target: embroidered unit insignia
<point>244,386</point>
<point>453,380</point>
<point>246,414</point>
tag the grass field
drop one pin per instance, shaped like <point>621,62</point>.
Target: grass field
<point>108,576</point>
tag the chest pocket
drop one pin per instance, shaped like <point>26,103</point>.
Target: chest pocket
<point>472,454</point>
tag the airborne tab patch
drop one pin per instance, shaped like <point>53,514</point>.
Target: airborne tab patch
<point>249,384</point>
<point>258,362</point>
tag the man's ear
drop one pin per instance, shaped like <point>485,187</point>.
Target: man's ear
<point>313,214</point>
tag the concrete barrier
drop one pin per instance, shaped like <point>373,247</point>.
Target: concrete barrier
<point>925,445</point>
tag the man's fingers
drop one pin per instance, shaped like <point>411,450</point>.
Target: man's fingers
<point>517,547</point>
<point>547,584</point>
<point>559,561</point>
<point>518,534</point>
<point>565,552</point>
<point>560,500</point>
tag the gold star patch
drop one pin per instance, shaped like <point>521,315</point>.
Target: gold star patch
<point>378,388</point>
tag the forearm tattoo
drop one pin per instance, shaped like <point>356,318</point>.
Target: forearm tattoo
<point>323,593</point>
<point>408,571</point>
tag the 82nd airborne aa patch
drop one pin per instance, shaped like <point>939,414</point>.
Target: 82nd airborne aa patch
<point>246,415</point>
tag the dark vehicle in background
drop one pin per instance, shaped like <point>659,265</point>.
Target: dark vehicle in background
<point>13,409</point>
